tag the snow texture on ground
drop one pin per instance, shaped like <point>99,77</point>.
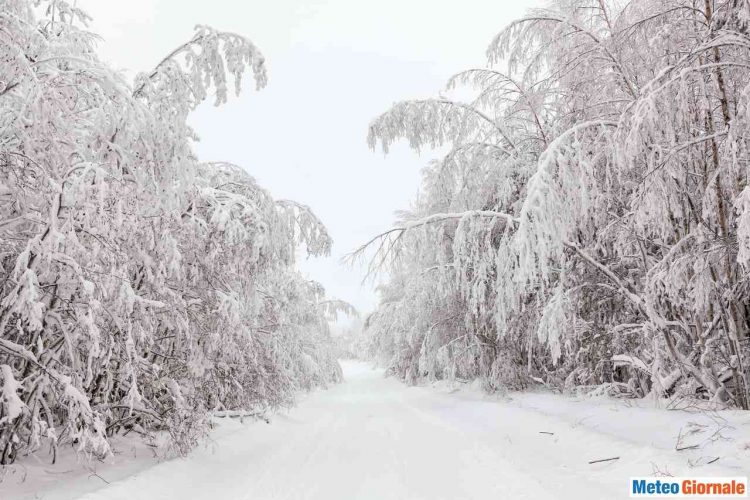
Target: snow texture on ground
<point>375,438</point>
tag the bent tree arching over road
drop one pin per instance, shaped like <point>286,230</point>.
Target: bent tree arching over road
<point>589,225</point>
<point>142,290</point>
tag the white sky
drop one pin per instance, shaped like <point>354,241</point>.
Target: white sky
<point>333,66</point>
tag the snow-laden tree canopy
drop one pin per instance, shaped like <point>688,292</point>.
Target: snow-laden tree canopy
<point>590,226</point>
<point>141,289</point>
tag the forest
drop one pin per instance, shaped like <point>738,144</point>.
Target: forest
<point>581,233</point>
<point>142,290</point>
<point>589,228</point>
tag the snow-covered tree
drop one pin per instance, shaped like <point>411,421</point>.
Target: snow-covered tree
<point>590,222</point>
<point>140,288</point>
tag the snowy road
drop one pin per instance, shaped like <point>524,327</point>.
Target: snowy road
<point>375,438</point>
<point>370,437</point>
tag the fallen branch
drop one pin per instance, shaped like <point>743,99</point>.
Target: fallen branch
<point>604,460</point>
<point>691,447</point>
<point>240,415</point>
<point>94,474</point>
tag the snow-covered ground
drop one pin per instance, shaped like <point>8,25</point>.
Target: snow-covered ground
<point>373,437</point>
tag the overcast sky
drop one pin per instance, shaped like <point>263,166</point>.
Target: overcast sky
<point>333,66</point>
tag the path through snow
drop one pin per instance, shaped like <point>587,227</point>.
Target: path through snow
<point>375,438</point>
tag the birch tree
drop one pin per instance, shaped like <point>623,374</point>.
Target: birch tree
<point>142,290</point>
<point>592,211</point>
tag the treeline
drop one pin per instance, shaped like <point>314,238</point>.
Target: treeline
<point>590,227</point>
<point>142,290</point>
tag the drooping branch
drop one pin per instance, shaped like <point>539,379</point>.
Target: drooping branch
<point>387,242</point>
<point>434,122</point>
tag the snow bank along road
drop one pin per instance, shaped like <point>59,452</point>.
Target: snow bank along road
<point>373,437</point>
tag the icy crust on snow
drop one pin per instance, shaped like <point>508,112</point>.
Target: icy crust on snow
<point>373,437</point>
